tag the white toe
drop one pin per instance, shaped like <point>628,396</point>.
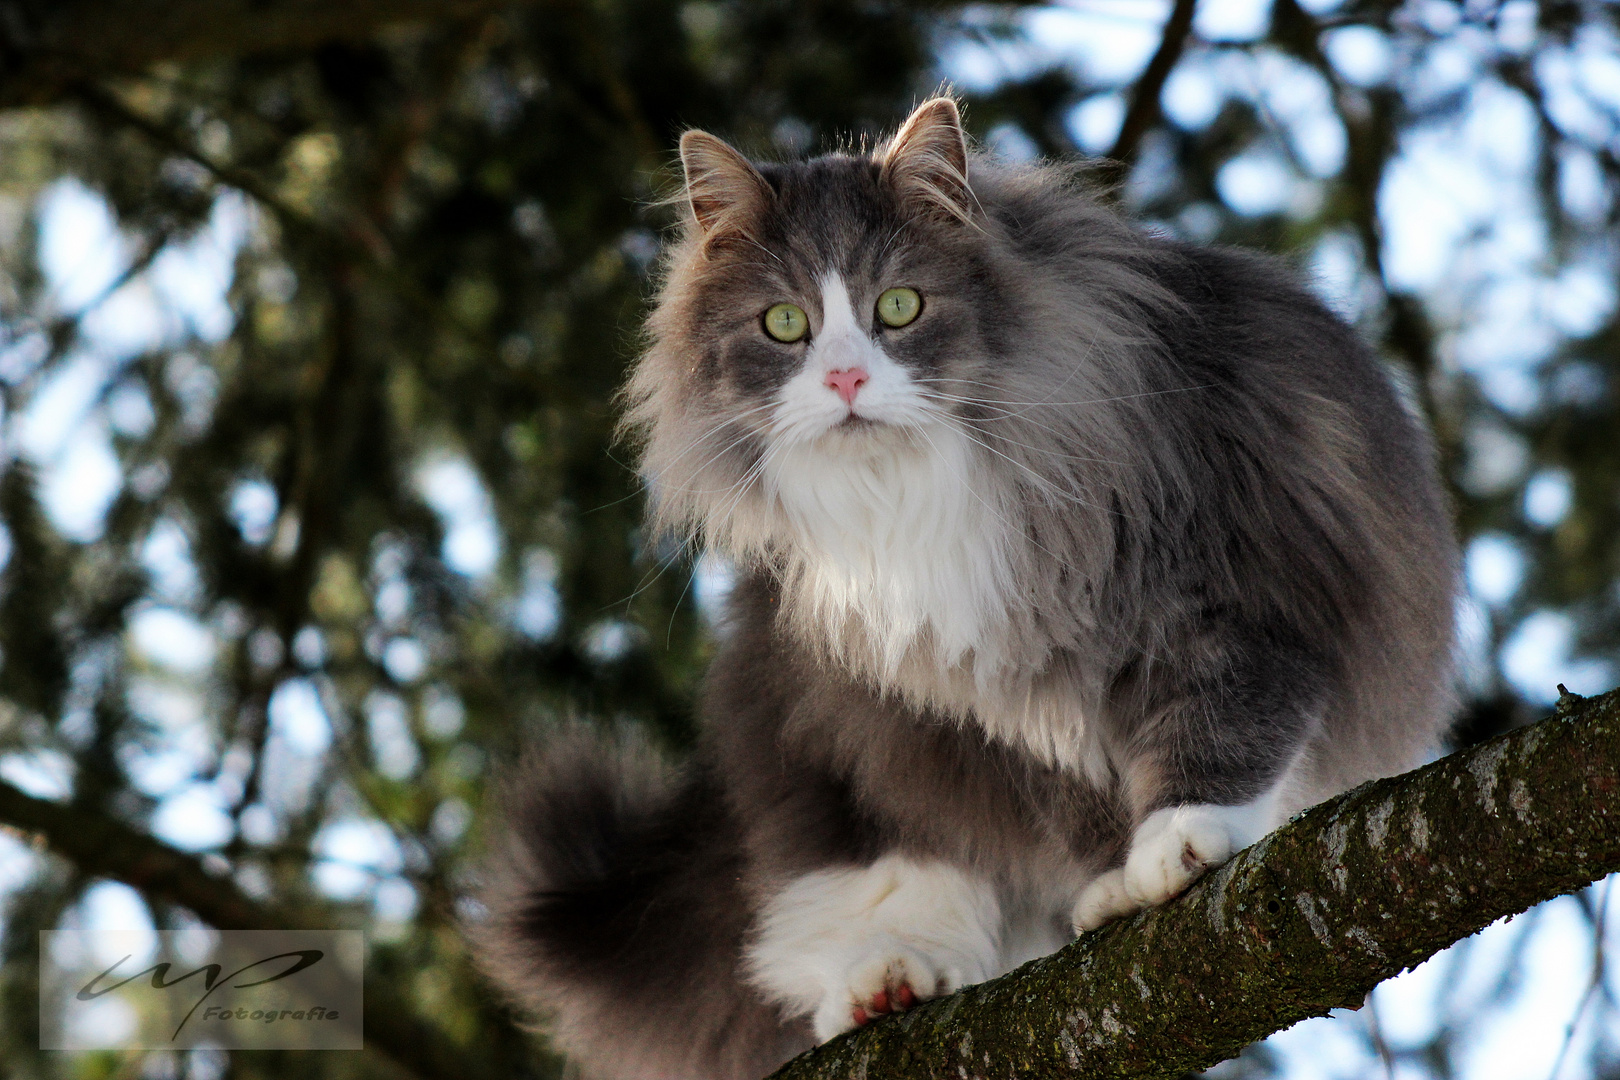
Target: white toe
<point>890,966</point>
<point>1172,848</point>
<point>1103,901</point>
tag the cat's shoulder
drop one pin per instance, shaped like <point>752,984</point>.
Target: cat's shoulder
<point>1220,279</point>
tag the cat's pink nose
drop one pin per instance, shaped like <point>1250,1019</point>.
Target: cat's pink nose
<point>847,383</point>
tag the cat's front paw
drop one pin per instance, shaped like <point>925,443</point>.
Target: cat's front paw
<point>891,980</point>
<point>1170,850</point>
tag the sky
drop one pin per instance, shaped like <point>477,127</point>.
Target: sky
<point>1460,231</point>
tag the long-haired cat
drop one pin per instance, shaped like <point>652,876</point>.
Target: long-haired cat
<point>1071,559</point>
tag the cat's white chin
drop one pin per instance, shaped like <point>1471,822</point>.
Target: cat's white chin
<point>864,437</point>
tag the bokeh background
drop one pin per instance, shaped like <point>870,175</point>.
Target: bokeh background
<point>311,513</point>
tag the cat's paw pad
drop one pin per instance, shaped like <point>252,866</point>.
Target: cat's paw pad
<point>1102,902</point>
<point>891,980</point>
<point>885,1001</point>
<point>1172,847</point>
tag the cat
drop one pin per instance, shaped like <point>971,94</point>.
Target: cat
<point>1071,559</point>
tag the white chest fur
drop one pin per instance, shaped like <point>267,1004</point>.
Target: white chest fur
<point>903,547</point>
<point>895,552</point>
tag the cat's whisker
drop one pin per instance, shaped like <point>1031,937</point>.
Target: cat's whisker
<point>704,438</point>
<point>1000,402</point>
<point>724,422</point>
<point>1022,418</point>
<point>992,511</point>
<point>735,491</point>
<point>649,579</point>
<point>1042,483</point>
<point>756,264</point>
<point>895,235</point>
<point>1074,370</point>
<point>669,631</point>
<point>744,437</point>
<point>766,250</point>
<point>749,478</point>
<point>658,571</point>
<point>690,446</point>
<point>1022,415</point>
<point>738,488</point>
<point>948,416</point>
<point>610,505</point>
<point>675,608</point>
<point>797,429</point>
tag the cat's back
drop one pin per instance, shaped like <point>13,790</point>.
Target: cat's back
<point>1351,464</point>
<point>1284,457</point>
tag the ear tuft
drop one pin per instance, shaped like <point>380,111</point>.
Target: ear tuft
<point>725,192</point>
<point>926,161</point>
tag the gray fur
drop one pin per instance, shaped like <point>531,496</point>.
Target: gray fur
<point>1233,563</point>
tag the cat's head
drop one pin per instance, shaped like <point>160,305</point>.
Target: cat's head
<point>839,305</point>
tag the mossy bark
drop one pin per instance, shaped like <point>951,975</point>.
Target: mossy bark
<point>1310,918</point>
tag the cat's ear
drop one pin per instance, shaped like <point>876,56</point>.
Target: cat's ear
<point>926,162</point>
<point>726,193</point>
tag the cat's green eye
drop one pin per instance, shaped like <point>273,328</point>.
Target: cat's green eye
<point>786,322</point>
<point>897,307</point>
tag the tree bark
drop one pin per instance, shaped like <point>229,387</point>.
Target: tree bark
<point>1310,918</point>
<point>48,46</point>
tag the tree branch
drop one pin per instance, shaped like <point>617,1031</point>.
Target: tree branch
<point>102,846</point>
<point>1309,919</point>
<point>357,240</point>
<point>46,46</point>
<point>1145,110</point>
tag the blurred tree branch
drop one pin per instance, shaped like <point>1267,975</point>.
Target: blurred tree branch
<point>357,242</point>
<point>46,46</point>
<point>102,846</point>
<point>1373,119</point>
<point>1145,109</point>
<point>1309,919</point>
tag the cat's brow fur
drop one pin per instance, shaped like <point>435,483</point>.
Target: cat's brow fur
<point>1216,560</point>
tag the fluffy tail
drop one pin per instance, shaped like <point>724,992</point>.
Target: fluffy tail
<point>616,913</point>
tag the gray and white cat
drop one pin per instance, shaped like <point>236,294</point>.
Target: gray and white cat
<point>1072,560</point>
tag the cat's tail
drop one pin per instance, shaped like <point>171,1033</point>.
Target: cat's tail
<point>615,912</point>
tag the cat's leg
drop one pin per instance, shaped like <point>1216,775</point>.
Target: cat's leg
<point>1207,752</point>
<point>844,946</point>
